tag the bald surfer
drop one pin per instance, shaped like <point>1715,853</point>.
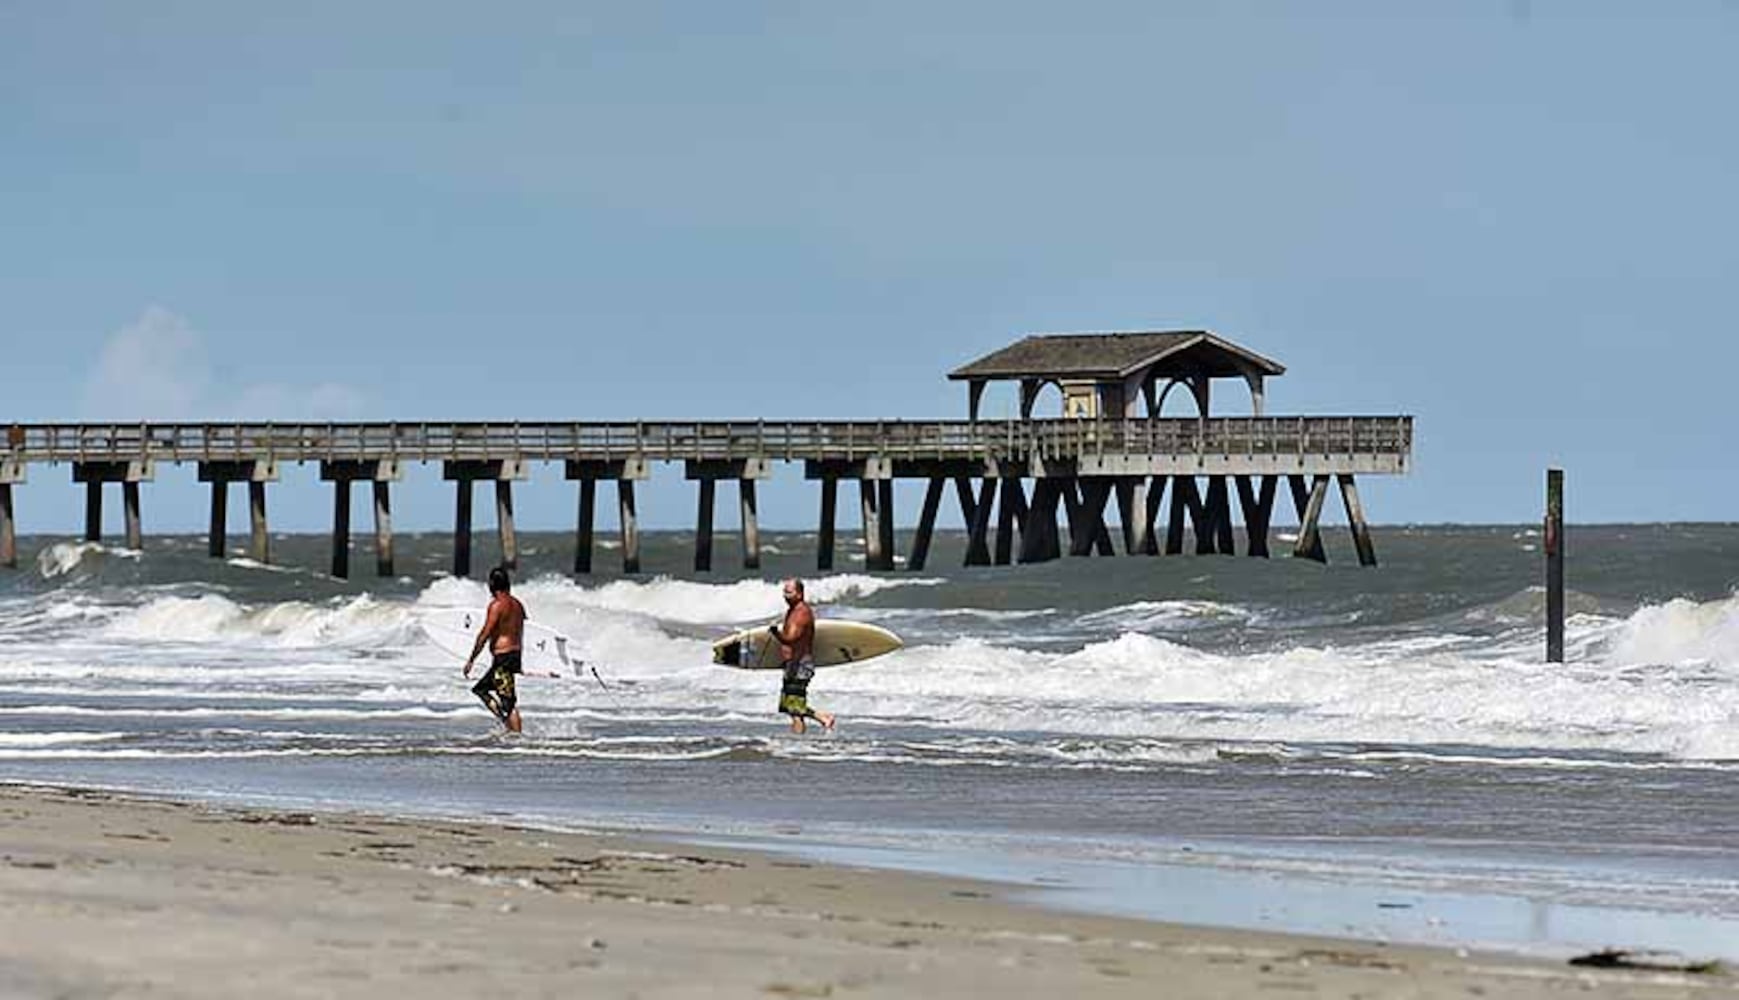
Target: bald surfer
<point>796,638</point>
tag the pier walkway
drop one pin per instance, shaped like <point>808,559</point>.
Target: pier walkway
<point>1074,466</point>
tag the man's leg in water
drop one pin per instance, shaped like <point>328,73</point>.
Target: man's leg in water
<point>512,720</point>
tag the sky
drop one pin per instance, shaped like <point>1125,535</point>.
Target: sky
<point>1513,220</point>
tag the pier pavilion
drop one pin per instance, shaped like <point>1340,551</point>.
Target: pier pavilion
<point>1013,479</point>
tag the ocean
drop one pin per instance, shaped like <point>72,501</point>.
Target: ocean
<point>1378,753</point>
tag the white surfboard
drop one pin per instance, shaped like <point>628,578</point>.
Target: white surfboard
<point>454,630</point>
<point>836,644</point>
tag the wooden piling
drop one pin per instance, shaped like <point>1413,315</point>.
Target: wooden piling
<point>583,526</point>
<point>1155,497</point>
<point>1039,541</point>
<point>94,511</point>
<point>751,524</point>
<point>1010,517</point>
<point>1309,545</point>
<point>1218,510</point>
<point>829,515</point>
<point>885,498</point>
<point>383,558</point>
<point>869,498</point>
<point>130,510</point>
<point>261,547</point>
<point>630,521</point>
<point>926,523</point>
<point>1132,508</point>
<point>219,529</point>
<point>703,524</point>
<point>8,529</point>
<point>1554,551</point>
<point>1186,504</point>
<point>341,528</point>
<point>976,513</point>
<point>1258,506</point>
<point>462,527</point>
<point>1349,495</point>
<point>504,527</point>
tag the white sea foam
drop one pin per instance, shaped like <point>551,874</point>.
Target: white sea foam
<point>1659,682</point>
<point>1680,631</point>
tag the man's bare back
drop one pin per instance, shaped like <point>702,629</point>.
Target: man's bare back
<point>505,624</point>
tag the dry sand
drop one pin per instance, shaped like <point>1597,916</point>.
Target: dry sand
<point>110,895</point>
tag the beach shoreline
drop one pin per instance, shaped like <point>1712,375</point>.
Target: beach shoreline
<point>113,893</point>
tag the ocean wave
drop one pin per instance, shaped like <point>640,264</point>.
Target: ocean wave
<point>63,560</point>
<point>355,621</point>
<point>1679,631</point>
<point>1168,616</point>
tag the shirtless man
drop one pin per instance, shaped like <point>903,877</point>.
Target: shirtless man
<point>796,639</point>
<point>504,633</point>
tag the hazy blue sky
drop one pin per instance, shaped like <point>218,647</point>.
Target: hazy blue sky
<point>1516,221</point>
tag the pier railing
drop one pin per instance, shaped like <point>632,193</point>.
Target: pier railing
<point>1063,439</point>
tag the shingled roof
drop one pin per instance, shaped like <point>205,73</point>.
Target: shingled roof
<point>1117,355</point>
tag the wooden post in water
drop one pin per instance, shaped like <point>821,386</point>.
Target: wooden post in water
<point>829,514</point>
<point>751,524</point>
<point>630,520</point>
<point>504,524</point>
<point>462,527</point>
<point>1554,546</point>
<point>583,526</point>
<point>341,528</point>
<point>926,523</point>
<point>1349,494</point>
<point>885,501</point>
<point>8,530</point>
<point>261,541</point>
<point>869,500</point>
<point>94,510</point>
<point>383,562</point>
<point>130,508</point>
<point>1308,502</point>
<point>214,543</point>
<point>706,489</point>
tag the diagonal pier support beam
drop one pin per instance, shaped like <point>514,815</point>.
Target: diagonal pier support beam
<point>1258,506</point>
<point>1308,502</point>
<point>1349,495</point>
<point>926,523</point>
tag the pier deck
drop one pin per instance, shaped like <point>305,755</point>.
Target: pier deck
<point>1077,465</point>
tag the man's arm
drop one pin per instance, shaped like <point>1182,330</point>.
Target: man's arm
<point>491,622</point>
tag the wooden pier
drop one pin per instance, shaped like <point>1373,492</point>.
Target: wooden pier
<point>1018,483</point>
<point>1013,480</point>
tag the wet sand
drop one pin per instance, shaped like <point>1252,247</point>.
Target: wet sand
<point>103,894</point>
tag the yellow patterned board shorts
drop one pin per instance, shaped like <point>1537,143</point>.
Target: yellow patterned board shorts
<point>794,692</point>
<point>497,689</point>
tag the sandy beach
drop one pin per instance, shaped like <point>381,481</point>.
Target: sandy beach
<point>103,894</point>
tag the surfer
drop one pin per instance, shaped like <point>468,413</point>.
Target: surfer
<point>796,638</point>
<point>503,632</point>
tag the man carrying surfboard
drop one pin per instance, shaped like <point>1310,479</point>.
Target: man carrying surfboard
<point>796,638</point>
<point>503,632</point>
